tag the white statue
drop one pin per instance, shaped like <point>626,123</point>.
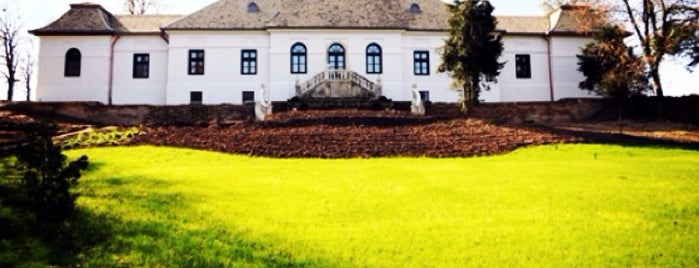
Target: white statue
<point>262,107</point>
<point>417,107</point>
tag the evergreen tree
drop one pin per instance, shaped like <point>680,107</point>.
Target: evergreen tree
<point>47,178</point>
<point>472,48</point>
<point>610,67</point>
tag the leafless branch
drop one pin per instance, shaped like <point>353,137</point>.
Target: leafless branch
<point>10,35</point>
<point>140,7</point>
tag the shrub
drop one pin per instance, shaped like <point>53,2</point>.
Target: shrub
<point>47,179</point>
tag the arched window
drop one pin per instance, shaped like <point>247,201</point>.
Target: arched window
<point>374,62</point>
<point>72,64</point>
<point>336,56</point>
<point>298,59</point>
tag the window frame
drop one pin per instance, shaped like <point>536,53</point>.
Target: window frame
<point>421,65</point>
<point>248,96</point>
<point>248,61</point>
<point>196,61</point>
<point>523,66</point>
<point>340,57</point>
<point>141,65</point>
<point>374,59</point>
<point>73,63</point>
<point>299,59</point>
<point>196,98</point>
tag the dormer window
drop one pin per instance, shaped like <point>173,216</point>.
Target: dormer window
<point>414,8</point>
<point>253,8</point>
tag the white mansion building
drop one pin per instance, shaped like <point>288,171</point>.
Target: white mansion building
<point>229,50</point>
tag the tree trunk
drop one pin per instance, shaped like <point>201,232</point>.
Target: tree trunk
<point>465,103</point>
<point>620,103</point>
<point>659,106</point>
<point>655,75</point>
<point>10,86</point>
<point>29,89</point>
<point>475,89</point>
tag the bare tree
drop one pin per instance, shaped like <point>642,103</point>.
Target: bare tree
<point>28,67</point>
<point>140,7</point>
<point>662,26</point>
<point>10,35</point>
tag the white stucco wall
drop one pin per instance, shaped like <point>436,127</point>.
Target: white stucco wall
<point>566,76</point>
<point>317,43</point>
<point>130,90</point>
<point>222,81</point>
<point>511,88</point>
<point>91,85</point>
<point>437,84</point>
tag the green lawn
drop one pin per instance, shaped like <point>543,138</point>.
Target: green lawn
<point>551,206</point>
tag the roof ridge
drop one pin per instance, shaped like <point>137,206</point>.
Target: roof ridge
<point>107,16</point>
<point>150,15</point>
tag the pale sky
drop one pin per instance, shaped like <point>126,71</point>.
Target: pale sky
<point>38,13</point>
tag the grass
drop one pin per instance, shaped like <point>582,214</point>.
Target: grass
<point>550,206</point>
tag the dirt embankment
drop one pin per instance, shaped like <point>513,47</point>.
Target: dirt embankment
<point>358,133</point>
<point>341,134</point>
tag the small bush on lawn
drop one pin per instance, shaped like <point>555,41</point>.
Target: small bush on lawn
<point>47,180</point>
<point>37,202</point>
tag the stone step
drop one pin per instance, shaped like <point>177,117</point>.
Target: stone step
<point>340,103</point>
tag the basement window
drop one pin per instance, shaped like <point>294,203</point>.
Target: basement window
<point>248,96</point>
<point>425,95</point>
<point>196,97</point>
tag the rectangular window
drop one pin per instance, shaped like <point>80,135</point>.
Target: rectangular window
<point>141,65</point>
<point>298,64</point>
<point>196,97</point>
<point>523,66</point>
<point>196,62</point>
<point>248,63</point>
<point>421,63</point>
<point>248,96</point>
<point>373,64</point>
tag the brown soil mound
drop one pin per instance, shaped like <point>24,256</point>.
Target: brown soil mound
<point>349,133</point>
<point>356,133</point>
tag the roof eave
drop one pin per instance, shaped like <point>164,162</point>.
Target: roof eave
<point>211,29</point>
<point>307,28</point>
<point>571,33</point>
<point>69,33</point>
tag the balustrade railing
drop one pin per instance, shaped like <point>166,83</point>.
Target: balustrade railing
<point>338,75</point>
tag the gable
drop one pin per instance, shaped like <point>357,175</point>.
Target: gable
<point>92,19</point>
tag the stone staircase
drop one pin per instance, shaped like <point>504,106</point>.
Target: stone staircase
<point>338,89</point>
